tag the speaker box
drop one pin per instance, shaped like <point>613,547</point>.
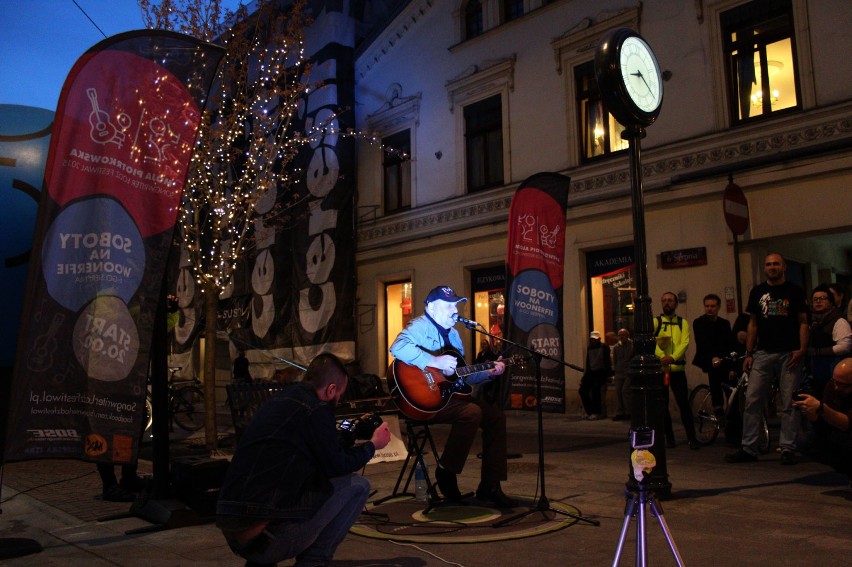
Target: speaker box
<point>196,481</point>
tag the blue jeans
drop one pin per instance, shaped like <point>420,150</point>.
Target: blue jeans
<point>765,367</point>
<point>314,541</point>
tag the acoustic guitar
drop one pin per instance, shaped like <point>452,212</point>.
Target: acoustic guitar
<point>420,394</point>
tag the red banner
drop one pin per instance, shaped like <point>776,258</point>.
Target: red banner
<point>123,138</point>
<point>535,260</point>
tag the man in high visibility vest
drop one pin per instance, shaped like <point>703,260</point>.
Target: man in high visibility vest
<point>672,334</point>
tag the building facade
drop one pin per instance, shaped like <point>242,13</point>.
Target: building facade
<point>464,99</point>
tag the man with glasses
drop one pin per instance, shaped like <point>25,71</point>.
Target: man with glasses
<point>776,342</point>
<point>829,341</point>
<point>831,418</point>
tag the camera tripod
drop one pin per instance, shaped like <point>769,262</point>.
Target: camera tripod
<point>636,500</point>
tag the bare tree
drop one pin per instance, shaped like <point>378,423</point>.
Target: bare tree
<point>245,143</point>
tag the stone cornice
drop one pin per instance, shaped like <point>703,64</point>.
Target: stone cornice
<point>663,166</point>
<point>732,149</point>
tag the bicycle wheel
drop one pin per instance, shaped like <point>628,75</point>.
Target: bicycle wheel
<point>706,423</point>
<point>764,442</point>
<point>149,415</point>
<point>188,408</point>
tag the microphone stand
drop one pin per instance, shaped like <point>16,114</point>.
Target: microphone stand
<point>543,504</point>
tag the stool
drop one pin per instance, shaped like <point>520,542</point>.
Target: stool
<point>418,435</point>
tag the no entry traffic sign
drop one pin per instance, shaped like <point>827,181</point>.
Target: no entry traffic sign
<point>736,208</point>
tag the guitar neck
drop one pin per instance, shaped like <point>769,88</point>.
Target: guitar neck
<point>473,369</point>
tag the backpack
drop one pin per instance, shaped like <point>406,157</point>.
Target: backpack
<point>659,319</point>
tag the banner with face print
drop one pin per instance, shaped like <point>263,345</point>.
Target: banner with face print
<point>535,259</point>
<point>123,138</point>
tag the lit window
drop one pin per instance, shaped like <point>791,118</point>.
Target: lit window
<point>760,58</point>
<point>600,133</point>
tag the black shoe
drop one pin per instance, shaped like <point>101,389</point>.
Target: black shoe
<point>619,417</point>
<point>493,494</point>
<point>671,444</point>
<point>116,493</point>
<point>448,484</point>
<point>788,457</point>
<point>740,456</point>
<point>694,445</point>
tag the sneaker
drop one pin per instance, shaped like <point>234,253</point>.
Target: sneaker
<point>448,484</point>
<point>694,445</point>
<point>740,456</point>
<point>593,417</point>
<point>788,457</point>
<point>116,493</point>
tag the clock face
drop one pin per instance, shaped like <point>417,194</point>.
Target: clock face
<point>640,74</point>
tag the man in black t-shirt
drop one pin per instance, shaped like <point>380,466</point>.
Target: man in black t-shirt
<point>775,348</point>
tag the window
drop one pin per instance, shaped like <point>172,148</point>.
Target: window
<point>483,127</point>
<point>600,133</point>
<point>398,309</point>
<point>396,164</point>
<point>488,306</point>
<point>760,56</point>
<point>612,289</point>
<point>395,124</point>
<point>512,10</point>
<point>473,23</point>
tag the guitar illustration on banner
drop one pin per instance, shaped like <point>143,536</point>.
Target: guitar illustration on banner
<point>420,394</point>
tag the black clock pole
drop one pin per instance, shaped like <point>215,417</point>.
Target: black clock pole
<point>649,393</point>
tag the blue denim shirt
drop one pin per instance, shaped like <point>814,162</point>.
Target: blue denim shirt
<point>421,339</point>
<point>284,460</point>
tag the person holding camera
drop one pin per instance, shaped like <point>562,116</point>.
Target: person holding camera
<point>290,490</point>
<point>831,418</point>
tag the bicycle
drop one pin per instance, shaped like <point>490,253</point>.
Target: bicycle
<point>186,404</point>
<point>708,423</point>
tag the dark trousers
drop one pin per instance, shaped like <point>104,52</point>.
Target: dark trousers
<point>466,417</point>
<point>677,384</point>
<point>831,447</point>
<point>715,378</point>
<point>590,391</point>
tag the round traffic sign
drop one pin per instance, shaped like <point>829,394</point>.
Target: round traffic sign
<point>736,208</point>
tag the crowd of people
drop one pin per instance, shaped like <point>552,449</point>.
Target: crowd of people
<point>803,345</point>
<point>291,491</point>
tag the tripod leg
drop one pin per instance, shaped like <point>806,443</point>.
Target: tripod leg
<point>657,510</point>
<point>629,510</point>
<point>641,540</point>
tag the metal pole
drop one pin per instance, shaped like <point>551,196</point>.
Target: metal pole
<point>650,396</point>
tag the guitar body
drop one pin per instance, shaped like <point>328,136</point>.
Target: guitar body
<point>420,394</point>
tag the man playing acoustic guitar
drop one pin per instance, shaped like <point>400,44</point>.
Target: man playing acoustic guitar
<point>425,343</point>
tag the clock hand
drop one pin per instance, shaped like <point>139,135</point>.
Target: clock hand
<point>639,74</point>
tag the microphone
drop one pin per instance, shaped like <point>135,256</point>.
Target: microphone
<point>466,322</point>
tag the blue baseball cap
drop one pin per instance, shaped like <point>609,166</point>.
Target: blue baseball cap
<point>443,293</point>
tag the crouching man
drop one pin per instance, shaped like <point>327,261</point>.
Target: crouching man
<point>831,418</point>
<point>290,490</point>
